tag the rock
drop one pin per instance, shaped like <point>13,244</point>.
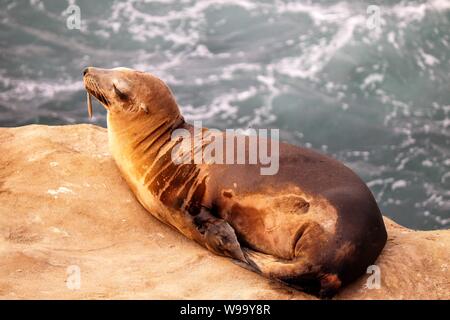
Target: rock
<point>66,214</point>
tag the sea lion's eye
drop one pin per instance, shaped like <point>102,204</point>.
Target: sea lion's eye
<point>119,93</point>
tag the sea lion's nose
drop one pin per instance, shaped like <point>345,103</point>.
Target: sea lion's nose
<point>86,70</point>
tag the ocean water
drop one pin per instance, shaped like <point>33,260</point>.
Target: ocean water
<point>376,98</point>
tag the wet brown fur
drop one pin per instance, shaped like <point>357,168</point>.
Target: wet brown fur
<point>314,225</point>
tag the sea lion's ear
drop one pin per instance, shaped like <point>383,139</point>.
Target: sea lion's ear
<point>143,107</point>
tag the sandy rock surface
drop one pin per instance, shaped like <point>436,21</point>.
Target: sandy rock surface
<point>66,214</point>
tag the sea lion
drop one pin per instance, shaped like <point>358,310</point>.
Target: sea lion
<point>314,224</point>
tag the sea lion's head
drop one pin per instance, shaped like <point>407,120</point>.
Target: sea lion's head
<point>124,91</point>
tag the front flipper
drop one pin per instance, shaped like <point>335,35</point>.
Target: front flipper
<point>218,235</point>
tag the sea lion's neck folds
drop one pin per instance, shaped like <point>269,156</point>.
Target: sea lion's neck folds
<point>136,142</point>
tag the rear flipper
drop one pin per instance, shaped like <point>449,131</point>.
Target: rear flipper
<point>218,235</point>
<point>297,273</point>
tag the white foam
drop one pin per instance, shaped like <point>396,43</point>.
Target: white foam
<point>24,90</point>
<point>313,60</point>
<point>399,184</point>
<point>428,58</point>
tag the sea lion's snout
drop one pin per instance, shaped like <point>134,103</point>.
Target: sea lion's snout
<point>96,84</point>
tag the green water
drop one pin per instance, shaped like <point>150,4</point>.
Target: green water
<point>376,99</point>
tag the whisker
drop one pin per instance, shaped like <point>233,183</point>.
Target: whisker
<point>96,91</point>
